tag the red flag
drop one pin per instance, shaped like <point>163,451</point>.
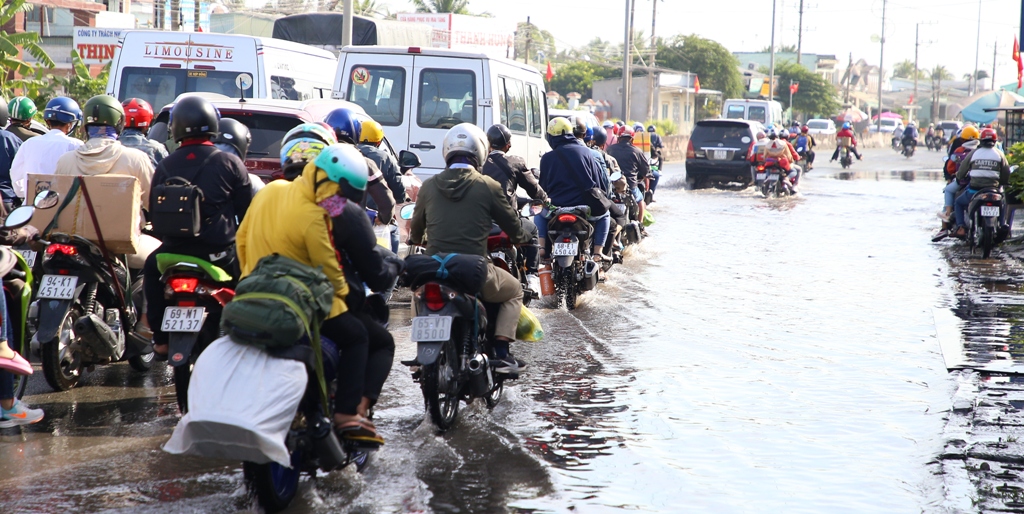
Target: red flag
<point>911,100</point>
<point>550,74</point>
<point>1020,62</point>
<point>696,85</point>
<point>793,88</point>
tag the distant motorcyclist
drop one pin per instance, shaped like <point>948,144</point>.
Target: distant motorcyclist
<point>22,110</point>
<point>845,138</point>
<point>39,154</point>
<point>371,134</point>
<point>347,128</point>
<point>634,165</point>
<point>510,172</point>
<point>986,168</point>
<point>805,144</point>
<point>897,134</point>
<point>138,117</point>
<point>910,136</point>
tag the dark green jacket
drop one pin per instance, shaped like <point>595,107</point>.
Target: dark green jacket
<point>455,208</point>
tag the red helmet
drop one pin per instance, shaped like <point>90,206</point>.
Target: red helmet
<point>804,129</point>
<point>626,131</point>
<point>989,134</point>
<point>138,113</point>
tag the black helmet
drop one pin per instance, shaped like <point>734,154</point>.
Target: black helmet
<point>193,116</point>
<point>579,127</point>
<point>236,134</point>
<point>600,136</point>
<point>498,136</point>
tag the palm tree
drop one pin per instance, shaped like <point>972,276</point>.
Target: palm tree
<point>10,60</point>
<point>442,6</point>
<point>369,8</point>
<point>905,70</point>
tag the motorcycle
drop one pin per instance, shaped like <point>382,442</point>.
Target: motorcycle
<point>196,293</point>
<point>508,257</point>
<point>845,157</point>
<point>572,270</point>
<point>933,142</point>
<point>803,152</point>
<point>773,179</point>
<point>629,233</point>
<point>87,310</point>
<point>985,229</point>
<point>16,271</point>
<point>908,149</point>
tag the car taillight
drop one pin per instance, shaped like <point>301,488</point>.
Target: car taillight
<point>433,297</point>
<point>690,154</point>
<point>61,248</point>
<point>567,218</point>
<point>183,284</point>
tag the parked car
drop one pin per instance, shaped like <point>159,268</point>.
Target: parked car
<point>820,127</point>
<point>887,127</point>
<point>949,128</point>
<point>718,151</point>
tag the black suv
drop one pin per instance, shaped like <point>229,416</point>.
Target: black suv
<point>718,151</point>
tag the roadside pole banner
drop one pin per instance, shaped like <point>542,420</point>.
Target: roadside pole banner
<point>96,45</point>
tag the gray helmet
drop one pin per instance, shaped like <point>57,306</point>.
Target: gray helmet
<point>465,139</point>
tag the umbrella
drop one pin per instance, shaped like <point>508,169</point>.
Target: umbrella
<point>852,115</point>
<point>887,115</point>
<point>975,106</point>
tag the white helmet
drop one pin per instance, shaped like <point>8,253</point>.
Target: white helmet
<point>784,134</point>
<point>465,139</point>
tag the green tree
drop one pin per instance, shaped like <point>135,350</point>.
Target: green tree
<point>906,70</point>
<point>442,6</point>
<point>11,44</point>
<point>937,75</point>
<point>716,67</point>
<point>784,49</point>
<point>539,40</point>
<point>815,97</point>
<point>579,77</point>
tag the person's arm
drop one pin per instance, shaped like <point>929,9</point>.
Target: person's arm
<point>393,176</point>
<point>1004,172</point>
<point>643,169</point>
<point>19,173</point>
<point>322,253</point>
<point>241,194</point>
<point>159,176</point>
<point>359,244</point>
<point>965,167</point>
<point>526,180</point>
<point>504,215</point>
<point>418,223</point>
<point>382,198</point>
<point>143,170</point>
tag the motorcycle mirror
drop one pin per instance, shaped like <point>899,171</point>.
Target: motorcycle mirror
<point>615,177</point>
<point>407,210</point>
<point>1013,168</point>
<point>407,159</point>
<point>46,199</point>
<point>19,217</point>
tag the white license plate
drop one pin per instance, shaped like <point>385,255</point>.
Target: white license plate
<point>431,328</point>
<point>720,154</point>
<point>57,287</point>
<point>761,176</point>
<point>183,319</point>
<point>989,210</point>
<point>772,177</point>
<point>29,256</point>
<point>563,249</point>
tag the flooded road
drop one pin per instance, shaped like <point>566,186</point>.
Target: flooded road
<point>751,356</point>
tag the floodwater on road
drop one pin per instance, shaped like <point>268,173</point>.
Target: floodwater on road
<point>752,355</point>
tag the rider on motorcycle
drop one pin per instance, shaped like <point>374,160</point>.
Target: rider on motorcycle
<point>897,133</point>
<point>968,133</point>
<point>987,168</point>
<point>952,184</point>
<point>455,210</point>
<point>227,193</point>
<point>569,169</point>
<point>371,134</point>
<point>910,135</point>
<point>510,172</point>
<point>633,163</point>
<point>39,154</point>
<point>234,137</point>
<point>806,141</point>
<point>138,116</point>
<point>851,141</point>
<point>347,128</point>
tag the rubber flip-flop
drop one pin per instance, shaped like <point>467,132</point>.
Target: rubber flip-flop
<point>943,234</point>
<point>358,430</point>
<point>17,365</point>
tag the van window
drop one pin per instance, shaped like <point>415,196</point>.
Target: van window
<point>735,112</point>
<point>267,131</point>
<point>502,96</point>
<point>447,98</point>
<point>757,113</point>
<point>288,88</point>
<point>381,92</point>
<point>160,86</point>
<point>533,110</point>
<point>516,105</point>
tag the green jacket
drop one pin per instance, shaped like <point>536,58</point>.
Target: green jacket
<point>455,208</point>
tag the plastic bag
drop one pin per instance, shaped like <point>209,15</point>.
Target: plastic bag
<point>529,328</point>
<point>241,404</point>
<point>648,218</point>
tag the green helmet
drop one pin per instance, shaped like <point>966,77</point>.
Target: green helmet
<point>344,162</point>
<point>22,108</point>
<point>104,110</point>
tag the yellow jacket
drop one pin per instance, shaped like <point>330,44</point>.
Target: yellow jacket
<point>285,219</point>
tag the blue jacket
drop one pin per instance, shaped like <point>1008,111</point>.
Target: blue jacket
<point>562,188</point>
<point>606,185</point>
<point>9,144</point>
<point>133,138</point>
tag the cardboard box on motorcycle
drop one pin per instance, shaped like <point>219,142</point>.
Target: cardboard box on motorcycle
<point>115,198</point>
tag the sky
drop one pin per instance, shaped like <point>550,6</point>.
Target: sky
<point>948,30</point>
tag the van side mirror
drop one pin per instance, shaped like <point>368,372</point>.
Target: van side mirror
<point>408,160</point>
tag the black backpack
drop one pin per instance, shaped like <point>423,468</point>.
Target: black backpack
<point>174,209</point>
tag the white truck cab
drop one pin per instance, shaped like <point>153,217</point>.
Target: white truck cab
<point>765,112</point>
<point>417,94</point>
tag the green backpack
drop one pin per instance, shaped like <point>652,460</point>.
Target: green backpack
<point>278,303</point>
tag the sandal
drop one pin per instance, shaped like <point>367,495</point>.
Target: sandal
<point>361,429</point>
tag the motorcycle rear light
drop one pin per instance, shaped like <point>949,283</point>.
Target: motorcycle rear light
<point>61,248</point>
<point>567,240</point>
<point>567,218</point>
<point>760,168</point>
<point>186,303</point>
<point>433,297</point>
<point>183,284</point>
<point>63,272</point>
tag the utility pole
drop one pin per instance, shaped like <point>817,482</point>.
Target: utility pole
<point>771,66</point>
<point>917,43</point>
<point>791,117</point>
<point>651,83</point>
<point>881,70</point>
<point>800,33</point>
<point>626,63</point>
<point>529,38</point>
<point>993,76</point>
<point>849,77</point>
<point>977,50</point>
<point>346,24</point>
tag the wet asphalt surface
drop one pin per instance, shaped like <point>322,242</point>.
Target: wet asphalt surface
<point>814,354</point>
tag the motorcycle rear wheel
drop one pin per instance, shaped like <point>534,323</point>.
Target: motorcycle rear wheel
<point>987,242</point>
<point>142,363</point>
<point>54,369</point>
<point>569,286</point>
<point>274,485</point>
<point>441,387</point>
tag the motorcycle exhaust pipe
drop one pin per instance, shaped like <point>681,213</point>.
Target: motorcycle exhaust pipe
<point>329,452</point>
<point>480,374</point>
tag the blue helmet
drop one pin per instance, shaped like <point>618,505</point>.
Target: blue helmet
<point>346,124</point>
<point>847,125</point>
<point>589,136</point>
<point>63,110</point>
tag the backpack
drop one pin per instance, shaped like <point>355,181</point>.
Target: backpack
<point>281,301</point>
<point>801,144</point>
<point>174,209</point>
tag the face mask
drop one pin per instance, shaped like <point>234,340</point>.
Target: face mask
<point>101,131</point>
<point>334,205</point>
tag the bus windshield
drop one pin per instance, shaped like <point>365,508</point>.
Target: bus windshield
<point>160,86</point>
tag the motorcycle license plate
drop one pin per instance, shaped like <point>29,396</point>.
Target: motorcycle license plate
<point>563,249</point>
<point>57,287</point>
<point>431,328</point>
<point>772,177</point>
<point>761,176</point>
<point>720,155</point>
<point>29,256</point>
<point>989,210</point>
<point>183,319</point>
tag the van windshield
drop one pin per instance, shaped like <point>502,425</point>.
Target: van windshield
<point>735,112</point>
<point>160,86</point>
<point>757,113</point>
<point>817,124</point>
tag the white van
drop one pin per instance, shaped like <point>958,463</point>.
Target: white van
<point>766,112</point>
<point>417,94</point>
<point>157,66</point>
